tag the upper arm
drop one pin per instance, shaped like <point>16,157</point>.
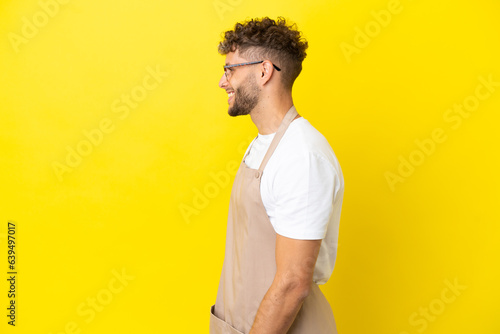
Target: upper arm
<point>303,193</point>
<point>295,262</point>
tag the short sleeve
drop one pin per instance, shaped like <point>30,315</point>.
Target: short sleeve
<point>304,190</point>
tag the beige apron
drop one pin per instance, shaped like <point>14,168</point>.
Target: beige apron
<point>250,264</point>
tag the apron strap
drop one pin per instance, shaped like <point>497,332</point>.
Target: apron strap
<point>249,149</point>
<point>289,117</point>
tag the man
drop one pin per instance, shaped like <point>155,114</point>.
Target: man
<point>284,211</point>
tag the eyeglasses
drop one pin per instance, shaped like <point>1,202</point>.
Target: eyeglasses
<point>228,70</point>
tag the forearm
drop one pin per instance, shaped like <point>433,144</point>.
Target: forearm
<point>278,310</point>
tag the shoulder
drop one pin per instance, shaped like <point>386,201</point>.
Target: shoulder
<point>303,143</point>
<point>303,158</point>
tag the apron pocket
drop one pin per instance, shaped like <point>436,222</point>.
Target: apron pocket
<point>219,326</point>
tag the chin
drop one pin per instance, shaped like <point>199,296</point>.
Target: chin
<point>230,113</point>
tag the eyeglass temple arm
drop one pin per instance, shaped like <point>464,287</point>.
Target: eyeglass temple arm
<point>250,63</point>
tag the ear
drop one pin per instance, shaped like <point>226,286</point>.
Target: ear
<point>266,72</point>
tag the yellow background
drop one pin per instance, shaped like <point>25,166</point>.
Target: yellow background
<point>120,207</point>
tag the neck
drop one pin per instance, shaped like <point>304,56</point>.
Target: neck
<point>269,112</point>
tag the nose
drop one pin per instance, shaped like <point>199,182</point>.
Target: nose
<point>223,82</point>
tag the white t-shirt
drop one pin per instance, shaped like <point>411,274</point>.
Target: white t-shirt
<point>302,187</point>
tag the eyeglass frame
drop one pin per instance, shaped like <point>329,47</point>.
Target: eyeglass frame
<point>247,63</point>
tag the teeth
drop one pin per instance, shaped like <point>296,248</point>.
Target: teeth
<point>230,94</point>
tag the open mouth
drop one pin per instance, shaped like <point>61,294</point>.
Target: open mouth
<point>230,96</point>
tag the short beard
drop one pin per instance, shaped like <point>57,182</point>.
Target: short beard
<point>245,98</point>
